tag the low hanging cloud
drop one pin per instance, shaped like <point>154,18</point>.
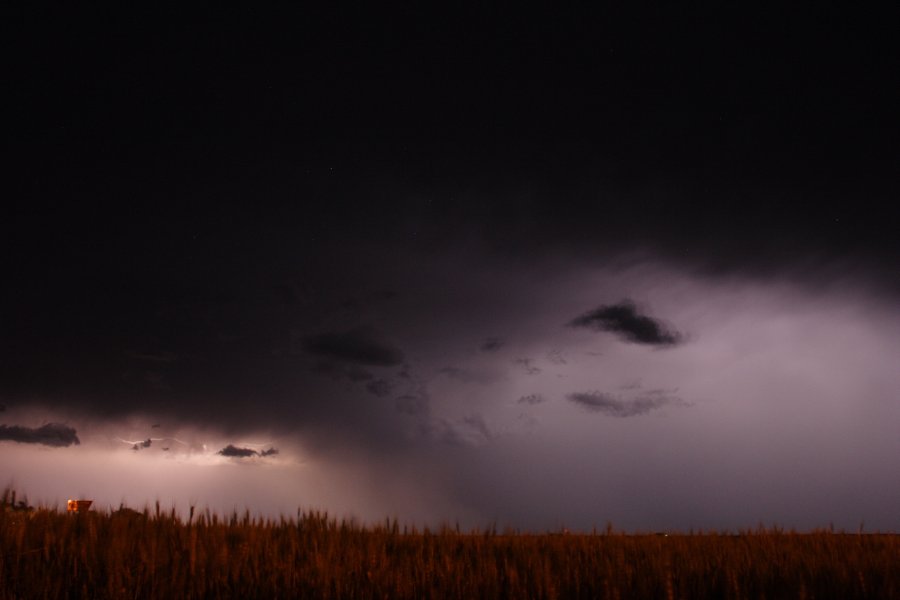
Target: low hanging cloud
<point>359,346</point>
<point>51,434</point>
<point>237,452</point>
<point>617,406</point>
<point>627,322</point>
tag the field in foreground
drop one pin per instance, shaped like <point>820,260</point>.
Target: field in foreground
<point>126,554</point>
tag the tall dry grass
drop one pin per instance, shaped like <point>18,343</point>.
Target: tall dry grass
<point>153,554</point>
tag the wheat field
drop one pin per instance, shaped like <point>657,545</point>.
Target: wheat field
<point>46,553</point>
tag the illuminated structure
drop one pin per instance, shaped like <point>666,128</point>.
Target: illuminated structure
<point>78,506</point>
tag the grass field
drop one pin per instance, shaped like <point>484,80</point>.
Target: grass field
<point>152,554</point>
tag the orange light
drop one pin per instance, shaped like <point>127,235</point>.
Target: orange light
<point>78,505</point>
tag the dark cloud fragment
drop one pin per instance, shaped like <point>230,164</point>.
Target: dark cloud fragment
<point>531,399</point>
<point>360,346</point>
<point>530,369</point>
<point>557,357</point>
<point>144,444</point>
<point>615,406</point>
<point>625,320</point>
<point>471,430</point>
<point>492,344</point>
<point>51,434</point>
<point>234,451</point>
<point>237,452</point>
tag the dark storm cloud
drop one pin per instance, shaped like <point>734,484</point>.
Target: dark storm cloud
<point>614,406</point>
<point>234,451</point>
<point>141,445</point>
<point>51,434</point>
<point>484,235</point>
<point>360,346</point>
<point>625,320</point>
<point>531,399</point>
<point>492,344</point>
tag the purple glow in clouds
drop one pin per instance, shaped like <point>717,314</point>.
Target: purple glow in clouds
<point>778,405</point>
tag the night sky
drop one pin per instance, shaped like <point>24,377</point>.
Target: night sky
<point>537,269</point>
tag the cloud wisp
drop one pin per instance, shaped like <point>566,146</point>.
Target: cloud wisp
<point>531,399</point>
<point>628,323</point>
<point>148,442</point>
<point>528,365</point>
<point>617,406</point>
<point>492,344</point>
<point>52,434</point>
<point>470,430</point>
